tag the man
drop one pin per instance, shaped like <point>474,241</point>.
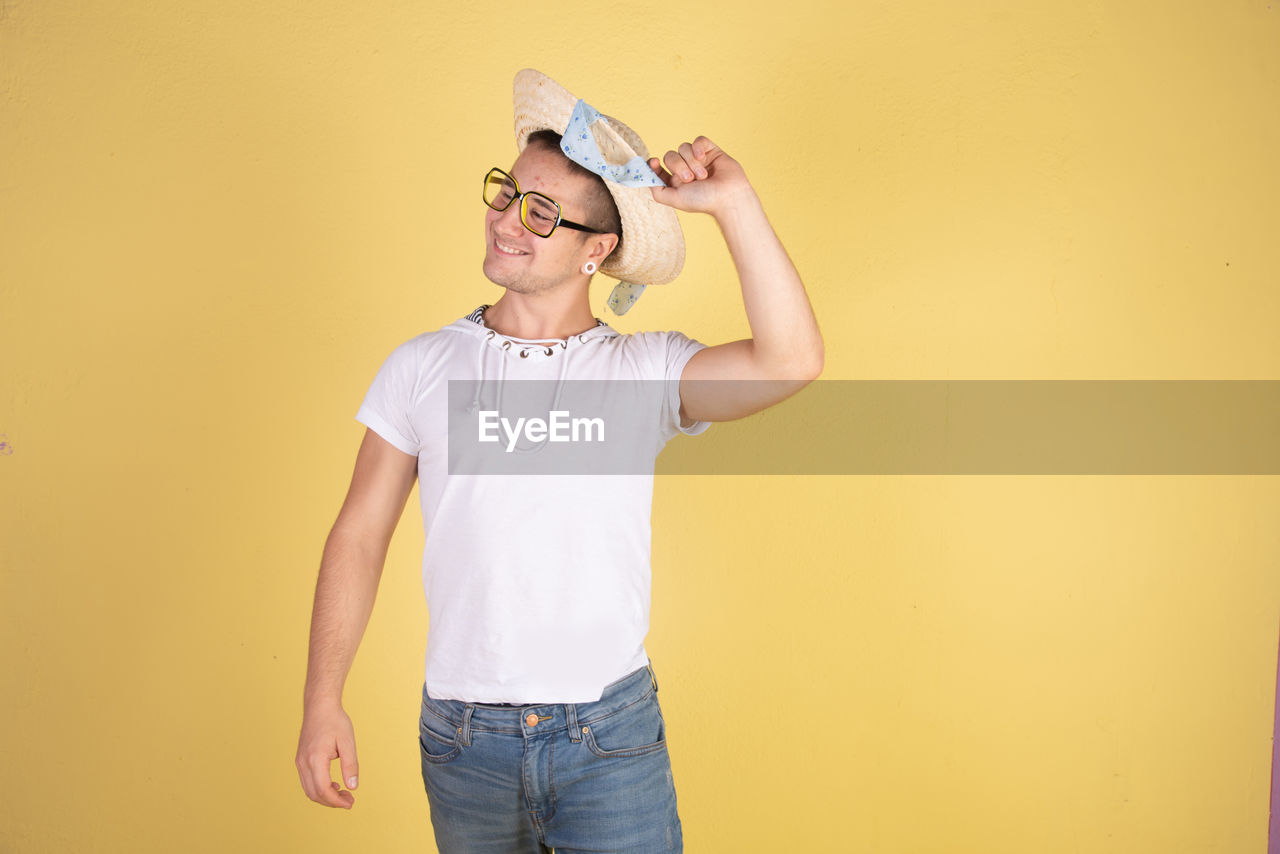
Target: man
<point>540,726</point>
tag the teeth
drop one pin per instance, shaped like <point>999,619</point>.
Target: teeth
<point>510,250</point>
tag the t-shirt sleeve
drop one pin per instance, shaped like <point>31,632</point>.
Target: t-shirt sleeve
<point>387,404</point>
<point>679,349</point>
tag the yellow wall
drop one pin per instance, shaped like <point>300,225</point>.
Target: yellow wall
<point>218,218</point>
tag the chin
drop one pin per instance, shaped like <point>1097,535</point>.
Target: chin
<point>517,281</point>
<point>510,283</point>
<point>496,278</point>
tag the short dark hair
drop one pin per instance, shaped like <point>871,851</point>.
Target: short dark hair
<point>602,212</point>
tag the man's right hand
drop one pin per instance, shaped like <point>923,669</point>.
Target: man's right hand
<point>326,735</point>
<point>345,589</point>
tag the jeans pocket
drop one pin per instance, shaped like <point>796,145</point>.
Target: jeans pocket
<point>635,731</point>
<point>437,738</point>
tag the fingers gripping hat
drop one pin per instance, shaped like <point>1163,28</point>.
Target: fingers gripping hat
<point>652,247</point>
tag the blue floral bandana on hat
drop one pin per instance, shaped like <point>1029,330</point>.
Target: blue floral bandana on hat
<point>579,145</point>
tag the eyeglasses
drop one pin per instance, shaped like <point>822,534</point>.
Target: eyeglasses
<point>540,214</point>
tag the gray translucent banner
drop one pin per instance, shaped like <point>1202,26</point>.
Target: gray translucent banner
<point>556,427</point>
<point>842,427</point>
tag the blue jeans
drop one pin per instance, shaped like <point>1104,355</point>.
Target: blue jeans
<point>573,777</point>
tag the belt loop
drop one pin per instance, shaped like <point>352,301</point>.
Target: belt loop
<point>652,678</point>
<point>571,712</point>
<point>465,735</point>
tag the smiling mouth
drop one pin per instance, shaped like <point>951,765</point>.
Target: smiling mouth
<point>509,251</point>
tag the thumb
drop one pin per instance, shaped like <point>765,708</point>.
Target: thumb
<point>664,195</point>
<point>347,756</point>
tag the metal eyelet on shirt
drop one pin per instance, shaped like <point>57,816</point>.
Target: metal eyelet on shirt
<point>550,351</point>
<point>491,334</point>
<point>524,354</point>
<point>506,345</point>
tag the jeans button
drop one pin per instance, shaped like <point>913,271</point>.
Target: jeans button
<point>531,719</point>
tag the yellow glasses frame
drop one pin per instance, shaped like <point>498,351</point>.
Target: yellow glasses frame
<point>496,175</point>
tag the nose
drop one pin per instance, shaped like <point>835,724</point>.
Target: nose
<point>509,220</point>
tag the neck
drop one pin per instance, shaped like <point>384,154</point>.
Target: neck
<point>540,317</point>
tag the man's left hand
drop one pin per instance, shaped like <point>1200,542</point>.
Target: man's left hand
<point>699,177</point>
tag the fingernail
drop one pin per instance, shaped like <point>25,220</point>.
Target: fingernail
<point>351,782</point>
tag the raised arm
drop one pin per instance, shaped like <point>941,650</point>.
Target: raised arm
<point>785,351</point>
<point>350,570</point>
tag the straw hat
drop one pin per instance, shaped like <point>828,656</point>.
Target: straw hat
<point>652,248</point>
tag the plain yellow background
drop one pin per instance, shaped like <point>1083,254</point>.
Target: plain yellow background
<point>217,219</point>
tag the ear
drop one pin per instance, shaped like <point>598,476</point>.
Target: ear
<point>601,245</point>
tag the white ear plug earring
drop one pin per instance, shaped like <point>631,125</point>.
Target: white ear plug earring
<point>589,267</point>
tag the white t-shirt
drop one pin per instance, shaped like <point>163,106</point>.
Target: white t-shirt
<point>537,586</point>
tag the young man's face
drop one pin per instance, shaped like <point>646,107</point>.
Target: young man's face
<point>521,261</point>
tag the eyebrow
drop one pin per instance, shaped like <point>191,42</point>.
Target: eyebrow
<point>572,218</point>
